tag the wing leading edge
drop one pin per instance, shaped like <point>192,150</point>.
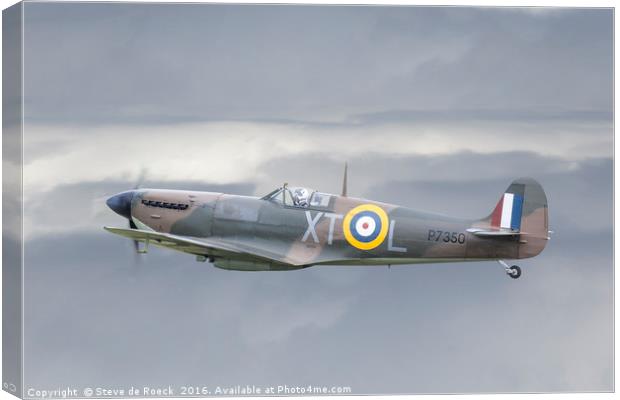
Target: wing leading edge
<point>204,246</point>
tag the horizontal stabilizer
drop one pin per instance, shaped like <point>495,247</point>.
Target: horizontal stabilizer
<point>493,232</point>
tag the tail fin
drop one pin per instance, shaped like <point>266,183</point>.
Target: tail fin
<point>523,209</point>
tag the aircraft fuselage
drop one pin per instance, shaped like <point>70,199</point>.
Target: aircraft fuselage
<point>338,230</point>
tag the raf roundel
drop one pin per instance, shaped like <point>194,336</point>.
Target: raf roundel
<point>365,226</point>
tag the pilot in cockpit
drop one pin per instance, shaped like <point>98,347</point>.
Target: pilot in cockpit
<point>301,197</point>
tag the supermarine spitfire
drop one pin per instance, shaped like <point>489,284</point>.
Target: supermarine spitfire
<point>295,227</point>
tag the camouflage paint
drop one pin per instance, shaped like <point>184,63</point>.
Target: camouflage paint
<point>269,235</point>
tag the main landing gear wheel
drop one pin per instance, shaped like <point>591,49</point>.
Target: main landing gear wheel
<point>514,272</point>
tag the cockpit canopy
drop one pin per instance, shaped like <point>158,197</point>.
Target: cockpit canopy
<point>297,196</point>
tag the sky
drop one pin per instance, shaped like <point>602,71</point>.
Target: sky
<point>437,109</point>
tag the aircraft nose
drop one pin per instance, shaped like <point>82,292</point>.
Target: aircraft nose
<point>121,203</point>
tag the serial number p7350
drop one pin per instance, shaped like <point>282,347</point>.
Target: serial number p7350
<point>445,236</point>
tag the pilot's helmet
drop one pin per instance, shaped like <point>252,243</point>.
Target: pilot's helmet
<point>301,196</point>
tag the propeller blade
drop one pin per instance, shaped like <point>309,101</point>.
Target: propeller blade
<point>132,225</point>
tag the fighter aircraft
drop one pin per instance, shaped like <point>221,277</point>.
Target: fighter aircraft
<point>296,227</point>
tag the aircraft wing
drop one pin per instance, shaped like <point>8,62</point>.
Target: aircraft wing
<point>203,246</point>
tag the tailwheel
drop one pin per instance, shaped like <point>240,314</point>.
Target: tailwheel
<point>514,272</point>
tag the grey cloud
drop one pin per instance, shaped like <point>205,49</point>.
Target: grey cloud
<point>515,62</point>
<point>409,329</point>
<point>464,115</point>
<point>201,62</point>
